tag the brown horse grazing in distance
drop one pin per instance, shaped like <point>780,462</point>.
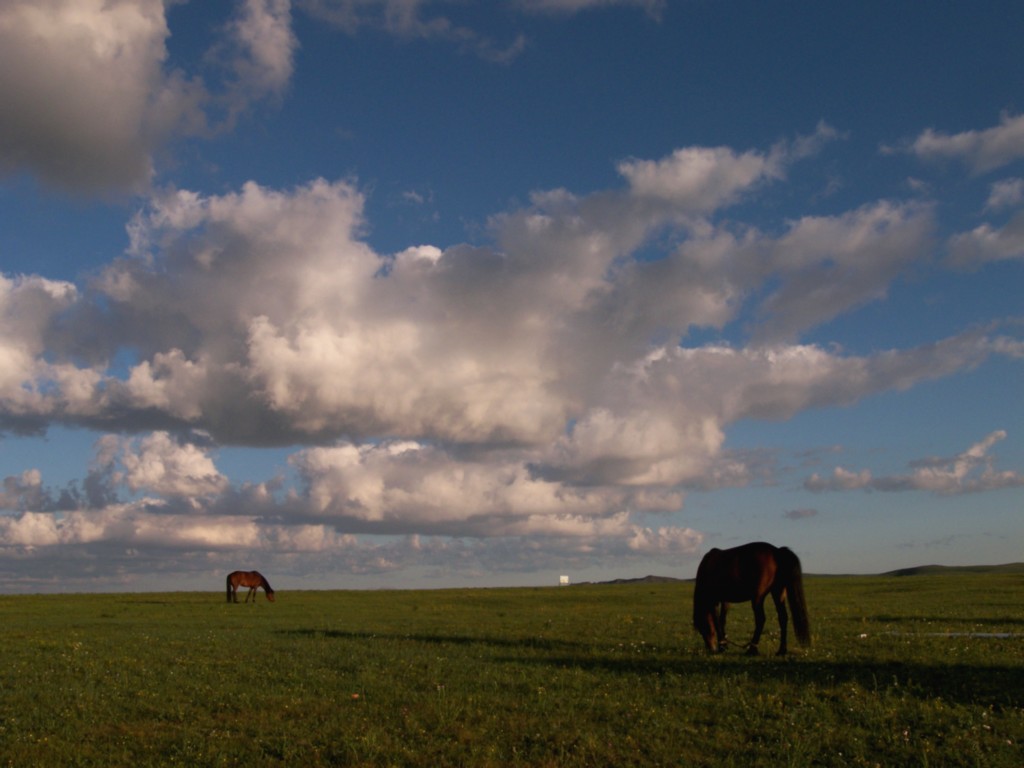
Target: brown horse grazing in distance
<point>749,572</point>
<point>251,579</point>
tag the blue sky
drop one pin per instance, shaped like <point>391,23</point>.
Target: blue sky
<point>425,293</point>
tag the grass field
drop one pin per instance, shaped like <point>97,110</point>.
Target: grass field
<point>910,671</point>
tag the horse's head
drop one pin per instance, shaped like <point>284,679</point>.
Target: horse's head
<point>270,595</point>
<point>704,622</point>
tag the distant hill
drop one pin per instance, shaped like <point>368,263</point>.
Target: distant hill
<point>641,580</point>
<point>929,570</point>
<point>920,570</point>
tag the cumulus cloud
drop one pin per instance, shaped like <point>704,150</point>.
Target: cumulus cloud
<point>425,499</point>
<point>971,471</point>
<point>704,179</point>
<point>263,317</point>
<point>981,151</point>
<point>258,52</point>
<point>538,387</point>
<point>653,7</point>
<point>699,179</point>
<point>840,480</point>
<point>406,484</point>
<point>411,20</point>
<point>986,243</point>
<point>437,20</point>
<point>263,33</point>
<point>87,92</point>
<point>91,98</point>
<point>22,492</point>
<point>832,264</point>
<point>158,464</point>
<point>141,524</point>
<point>557,322</point>
<point>29,306</point>
<point>1008,193</point>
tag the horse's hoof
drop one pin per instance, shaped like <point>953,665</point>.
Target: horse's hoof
<point>752,650</point>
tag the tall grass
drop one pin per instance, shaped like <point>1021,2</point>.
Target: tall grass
<point>904,671</point>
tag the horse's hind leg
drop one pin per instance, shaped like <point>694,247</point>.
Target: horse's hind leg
<point>780,606</point>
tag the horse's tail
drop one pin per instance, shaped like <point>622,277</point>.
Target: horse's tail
<point>789,565</point>
<point>228,582</point>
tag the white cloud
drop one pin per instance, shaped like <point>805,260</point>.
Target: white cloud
<point>263,32</point>
<point>531,393</point>
<point>28,308</point>
<point>664,420</point>
<point>258,49</point>
<point>833,264</point>
<point>91,100</point>
<point>841,480</point>
<point>704,179</point>
<point>410,19</point>
<point>144,525</point>
<point>699,179</point>
<point>1008,193</point>
<point>986,243</point>
<point>971,471</point>
<point>22,492</point>
<point>665,540</point>
<point>86,92</point>
<point>170,384</point>
<point>405,487</point>
<point>653,7</point>
<point>29,530</point>
<point>158,464</point>
<point>424,20</point>
<point>264,318</point>
<point>981,151</point>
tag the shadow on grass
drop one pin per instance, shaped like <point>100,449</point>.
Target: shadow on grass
<point>985,685</point>
<point>984,622</point>
<point>536,643</point>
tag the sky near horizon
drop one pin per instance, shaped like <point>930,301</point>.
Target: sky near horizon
<point>430,293</point>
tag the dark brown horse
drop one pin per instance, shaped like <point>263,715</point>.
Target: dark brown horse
<point>251,579</point>
<point>749,572</point>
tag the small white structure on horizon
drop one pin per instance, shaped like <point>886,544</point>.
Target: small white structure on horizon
<point>563,580</point>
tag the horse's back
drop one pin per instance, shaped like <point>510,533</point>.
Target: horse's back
<point>737,574</point>
<point>245,578</point>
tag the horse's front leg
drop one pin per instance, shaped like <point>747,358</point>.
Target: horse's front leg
<point>758,604</point>
<point>723,639</point>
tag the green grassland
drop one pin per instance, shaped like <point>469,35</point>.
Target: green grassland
<point>926,669</point>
